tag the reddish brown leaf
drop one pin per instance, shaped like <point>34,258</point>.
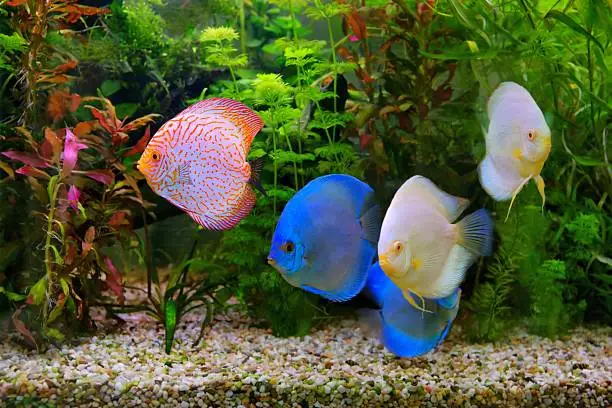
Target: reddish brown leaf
<point>357,25</point>
<point>118,219</point>
<point>345,53</point>
<point>32,172</point>
<point>74,102</point>
<point>84,128</point>
<point>56,104</point>
<point>71,253</point>
<point>51,147</point>
<point>102,120</point>
<point>88,242</point>
<point>113,279</point>
<point>102,176</point>
<point>23,329</point>
<point>140,122</point>
<point>26,158</point>
<point>15,3</point>
<point>54,79</point>
<point>365,139</point>
<point>65,67</point>
<point>140,145</point>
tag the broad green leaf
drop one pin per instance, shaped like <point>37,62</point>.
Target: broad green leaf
<point>54,334</point>
<point>109,87</point>
<point>125,110</point>
<point>169,323</point>
<point>38,291</point>
<point>56,312</point>
<point>568,21</point>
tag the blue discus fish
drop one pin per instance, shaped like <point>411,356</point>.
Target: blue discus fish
<point>406,331</point>
<point>326,237</point>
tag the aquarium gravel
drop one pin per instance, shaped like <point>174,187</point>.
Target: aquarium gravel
<point>239,365</point>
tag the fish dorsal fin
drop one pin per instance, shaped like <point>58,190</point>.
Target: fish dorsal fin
<point>504,93</point>
<point>236,112</point>
<point>448,205</point>
<point>370,219</point>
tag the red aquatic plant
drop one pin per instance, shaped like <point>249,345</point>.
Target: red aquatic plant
<point>89,194</point>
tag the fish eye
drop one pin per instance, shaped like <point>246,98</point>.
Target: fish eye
<point>288,246</point>
<point>155,156</point>
<point>531,135</point>
<point>398,246</point>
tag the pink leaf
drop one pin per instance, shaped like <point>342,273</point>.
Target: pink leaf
<point>113,279</point>
<point>73,197</point>
<point>26,158</point>
<point>353,38</point>
<point>32,172</point>
<point>71,150</point>
<point>102,176</point>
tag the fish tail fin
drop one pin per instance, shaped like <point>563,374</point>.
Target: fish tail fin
<point>476,232</point>
<point>256,169</point>
<point>370,322</point>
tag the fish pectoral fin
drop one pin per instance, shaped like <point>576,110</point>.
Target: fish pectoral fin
<point>515,193</point>
<point>540,184</point>
<point>184,173</point>
<point>370,220</point>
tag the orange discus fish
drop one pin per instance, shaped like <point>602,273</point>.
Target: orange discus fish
<point>197,161</point>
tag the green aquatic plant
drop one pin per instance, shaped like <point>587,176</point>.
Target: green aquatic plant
<point>221,53</point>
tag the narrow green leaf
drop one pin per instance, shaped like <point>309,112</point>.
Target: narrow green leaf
<point>487,54</point>
<point>56,312</point>
<point>588,161</point>
<point>58,258</point>
<point>169,323</point>
<point>15,297</point>
<point>568,21</point>
<point>65,286</point>
<point>53,181</point>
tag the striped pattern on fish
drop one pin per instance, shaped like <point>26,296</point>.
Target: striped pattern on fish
<point>197,161</point>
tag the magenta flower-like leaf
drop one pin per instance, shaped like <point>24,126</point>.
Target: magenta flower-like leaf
<point>71,150</point>
<point>353,38</point>
<point>73,197</point>
<point>26,158</point>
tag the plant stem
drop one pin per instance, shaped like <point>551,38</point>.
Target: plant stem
<point>333,51</point>
<point>231,70</point>
<point>48,261</point>
<point>242,28</point>
<point>275,165</point>
<point>590,68</point>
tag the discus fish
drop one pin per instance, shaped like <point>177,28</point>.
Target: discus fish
<point>518,143</point>
<point>326,236</point>
<point>197,161</point>
<point>404,330</point>
<point>420,249</point>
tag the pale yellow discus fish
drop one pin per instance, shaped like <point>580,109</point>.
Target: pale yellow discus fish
<point>421,250</point>
<point>518,143</point>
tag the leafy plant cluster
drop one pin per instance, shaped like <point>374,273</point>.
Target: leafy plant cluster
<point>380,89</point>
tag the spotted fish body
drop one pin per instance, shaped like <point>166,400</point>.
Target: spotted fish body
<point>197,161</point>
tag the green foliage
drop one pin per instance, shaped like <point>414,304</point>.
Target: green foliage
<point>10,47</point>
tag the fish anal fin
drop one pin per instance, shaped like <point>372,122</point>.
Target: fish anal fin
<point>449,205</point>
<point>221,223</point>
<point>370,220</point>
<point>540,184</point>
<point>498,177</point>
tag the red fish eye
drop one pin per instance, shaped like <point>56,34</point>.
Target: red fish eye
<point>531,135</point>
<point>288,247</point>
<point>155,156</point>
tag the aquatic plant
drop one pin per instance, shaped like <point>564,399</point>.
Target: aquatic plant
<point>88,194</point>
